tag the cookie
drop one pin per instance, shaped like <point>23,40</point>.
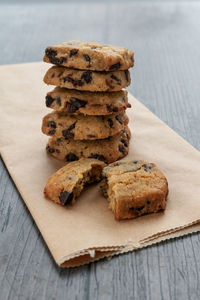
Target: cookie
<point>80,127</point>
<point>134,188</point>
<point>64,186</point>
<point>107,150</point>
<point>89,56</point>
<point>87,103</point>
<point>87,80</point>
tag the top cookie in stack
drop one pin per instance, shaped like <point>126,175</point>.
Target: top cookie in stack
<point>89,101</point>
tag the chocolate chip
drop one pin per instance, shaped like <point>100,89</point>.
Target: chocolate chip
<point>73,52</point>
<point>97,156</point>
<point>109,108</point>
<point>148,202</point>
<point>71,157</point>
<point>70,108</point>
<point>67,134</point>
<point>126,75</point>
<point>49,100</point>
<point>51,54</point>
<point>58,101</point>
<point>49,149</point>
<point>124,142</point>
<point>66,197</point>
<point>116,79</point>
<point>91,136</point>
<point>110,122</point>
<point>140,208</point>
<point>77,102</point>
<point>59,140</point>
<point>124,99</point>
<point>109,84</point>
<point>75,82</point>
<point>118,118</point>
<point>51,124</point>
<point>53,75</point>
<point>121,148</point>
<point>51,132</point>
<point>147,167</point>
<point>115,66</point>
<point>72,126</point>
<point>87,57</point>
<point>115,109</point>
<point>135,162</point>
<point>87,76</point>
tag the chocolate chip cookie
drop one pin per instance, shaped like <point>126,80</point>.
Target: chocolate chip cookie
<point>89,56</point>
<point>107,150</point>
<point>64,186</point>
<point>80,127</point>
<point>134,188</point>
<point>87,103</point>
<point>87,80</point>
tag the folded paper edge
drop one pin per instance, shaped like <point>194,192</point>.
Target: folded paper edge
<point>100,253</point>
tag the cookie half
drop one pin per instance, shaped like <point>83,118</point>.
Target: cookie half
<point>107,150</point>
<point>134,188</point>
<point>81,127</point>
<point>66,184</point>
<point>87,80</point>
<point>89,56</point>
<point>87,103</point>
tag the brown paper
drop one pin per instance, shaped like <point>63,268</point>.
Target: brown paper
<point>88,231</point>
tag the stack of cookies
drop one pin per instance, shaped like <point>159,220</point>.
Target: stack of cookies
<point>88,102</point>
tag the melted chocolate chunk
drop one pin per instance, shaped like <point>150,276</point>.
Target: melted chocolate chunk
<point>58,101</point>
<point>110,123</point>
<point>66,198</point>
<point>118,118</point>
<point>115,66</point>
<point>109,108</point>
<point>51,132</point>
<point>126,74</point>
<point>70,108</point>
<point>87,57</point>
<point>51,124</point>
<point>73,52</point>
<point>49,101</point>
<point>71,126</point>
<point>49,149</point>
<point>124,142</point>
<point>91,136</point>
<point>109,84</point>
<point>67,134</point>
<point>116,79</point>
<point>97,156</point>
<point>121,148</point>
<point>147,167</point>
<point>87,76</point>
<point>115,109</point>
<point>140,208</point>
<point>75,82</point>
<point>71,157</point>
<point>148,202</point>
<point>77,102</point>
<point>51,54</point>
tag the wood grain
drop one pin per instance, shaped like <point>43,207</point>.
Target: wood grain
<point>165,37</point>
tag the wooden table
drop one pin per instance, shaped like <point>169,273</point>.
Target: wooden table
<point>166,39</point>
